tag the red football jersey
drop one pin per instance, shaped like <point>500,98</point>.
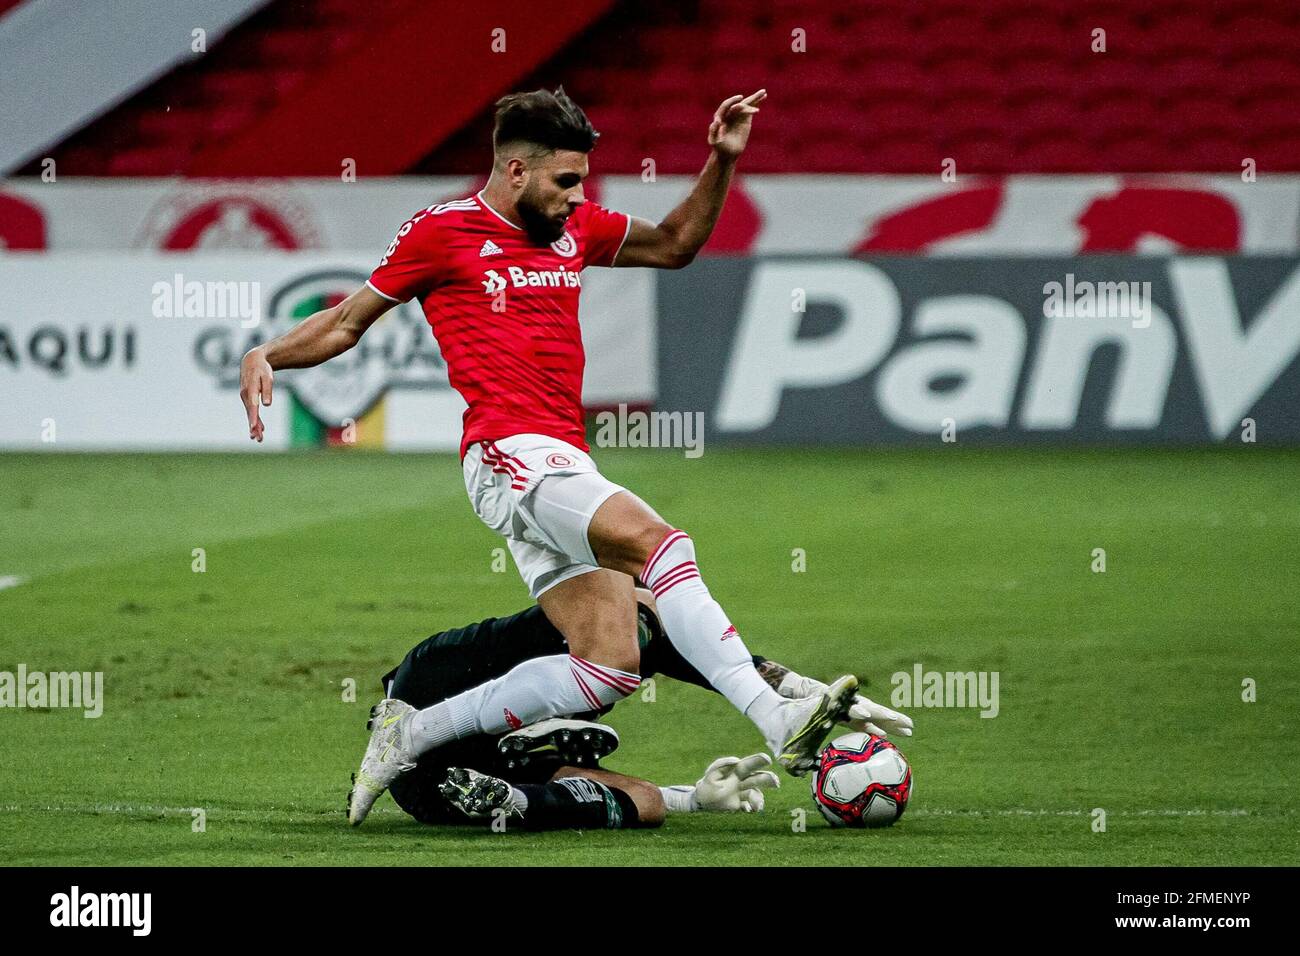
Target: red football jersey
<point>504,310</point>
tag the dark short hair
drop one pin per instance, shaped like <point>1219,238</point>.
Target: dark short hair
<point>548,120</point>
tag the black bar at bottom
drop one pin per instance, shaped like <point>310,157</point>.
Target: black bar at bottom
<point>347,906</point>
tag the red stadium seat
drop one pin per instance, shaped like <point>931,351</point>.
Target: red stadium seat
<point>671,85</point>
<point>176,127</point>
<point>236,86</point>
<point>743,41</point>
<point>902,155</point>
<point>159,161</point>
<point>1054,155</point>
<point>1032,82</point>
<point>875,79</point>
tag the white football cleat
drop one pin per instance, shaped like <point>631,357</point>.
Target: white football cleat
<point>388,755</point>
<point>809,721</point>
<point>580,743</point>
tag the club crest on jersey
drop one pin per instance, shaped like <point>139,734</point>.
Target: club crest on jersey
<point>559,461</point>
<point>565,246</point>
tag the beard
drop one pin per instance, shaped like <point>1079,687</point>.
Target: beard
<point>541,228</point>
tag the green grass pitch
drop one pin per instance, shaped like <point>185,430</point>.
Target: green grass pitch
<point>223,689</point>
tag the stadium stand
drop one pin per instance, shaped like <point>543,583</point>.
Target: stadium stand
<point>1004,86</point>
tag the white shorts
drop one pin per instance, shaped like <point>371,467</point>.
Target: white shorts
<point>539,493</point>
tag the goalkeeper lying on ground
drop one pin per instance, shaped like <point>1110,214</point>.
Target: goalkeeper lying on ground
<point>547,776</point>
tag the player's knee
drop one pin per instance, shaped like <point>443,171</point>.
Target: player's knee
<point>652,536</point>
<point>648,800</point>
<point>656,537</point>
<point>598,617</point>
<point>613,636</point>
<point>609,641</point>
<point>670,563</point>
<point>624,652</point>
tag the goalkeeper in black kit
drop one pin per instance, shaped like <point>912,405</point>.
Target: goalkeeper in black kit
<point>547,776</point>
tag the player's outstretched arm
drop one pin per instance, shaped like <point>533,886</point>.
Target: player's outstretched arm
<point>312,341</point>
<point>674,242</point>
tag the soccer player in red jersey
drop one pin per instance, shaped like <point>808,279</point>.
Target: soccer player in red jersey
<point>499,274</point>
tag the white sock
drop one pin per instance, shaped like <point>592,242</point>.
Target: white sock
<point>532,691</point>
<point>680,799</point>
<point>520,800</point>
<point>764,712</point>
<point>699,629</point>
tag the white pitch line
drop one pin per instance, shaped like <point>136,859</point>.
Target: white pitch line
<point>126,809</point>
<point>1022,812</point>
<point>10,581</point>
<point>152,810</point>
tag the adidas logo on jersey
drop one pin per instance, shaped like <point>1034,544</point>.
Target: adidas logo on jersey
<point>490,248</point>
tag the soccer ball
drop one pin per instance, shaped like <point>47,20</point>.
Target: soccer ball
<point>861,781</point>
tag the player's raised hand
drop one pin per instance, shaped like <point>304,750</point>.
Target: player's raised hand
<point>255,378</point>
<point>869,717</point>
<point>731,784</point>
<point>729,131</point>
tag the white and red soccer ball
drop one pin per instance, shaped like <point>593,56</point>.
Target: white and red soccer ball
<point>861,781</point>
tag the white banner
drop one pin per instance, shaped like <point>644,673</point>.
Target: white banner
<point>767,214</point>
<point>142,351</point>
